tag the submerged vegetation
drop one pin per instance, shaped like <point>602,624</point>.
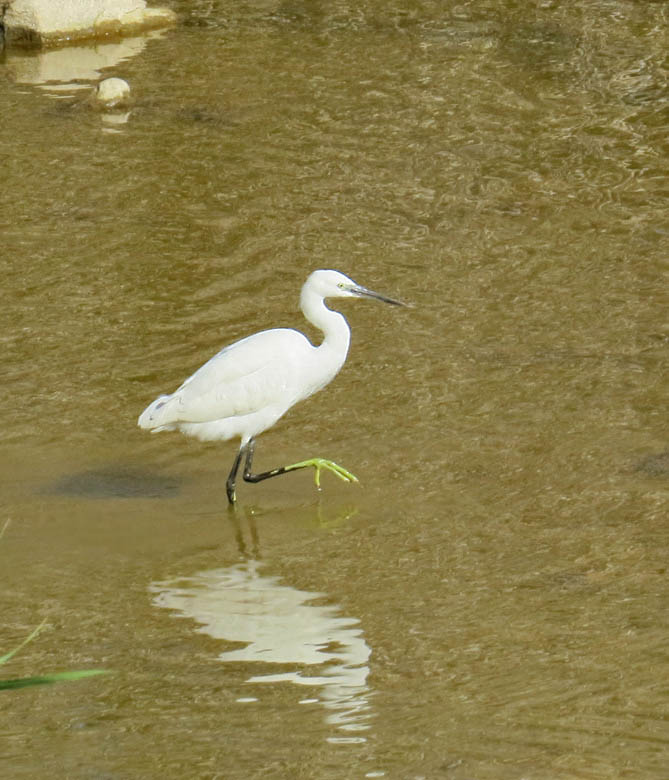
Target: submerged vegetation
<point>42,679</point>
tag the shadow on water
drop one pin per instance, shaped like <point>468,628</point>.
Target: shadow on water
<point>114,482</point>
<point>283,634</point>
<point>656,465</point>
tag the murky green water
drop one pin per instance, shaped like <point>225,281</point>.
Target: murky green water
<point>491,600</point>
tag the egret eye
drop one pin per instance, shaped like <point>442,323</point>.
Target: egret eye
<point>341,285</point>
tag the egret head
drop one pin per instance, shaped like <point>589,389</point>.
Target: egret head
<point>333,284</point>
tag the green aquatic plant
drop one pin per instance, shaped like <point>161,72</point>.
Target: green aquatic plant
<point>4,527</point>
<point>12,653</point>
<point>42,679</point>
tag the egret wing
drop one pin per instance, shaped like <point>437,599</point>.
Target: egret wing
<point>256,372</point>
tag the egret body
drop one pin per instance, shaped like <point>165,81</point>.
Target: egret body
<point>245,388</point>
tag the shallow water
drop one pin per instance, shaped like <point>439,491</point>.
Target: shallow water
<point>490,600</point>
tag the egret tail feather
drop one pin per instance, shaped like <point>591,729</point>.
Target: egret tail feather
<point>159,415</point>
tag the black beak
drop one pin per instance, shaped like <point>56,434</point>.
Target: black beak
<point>363,292</point>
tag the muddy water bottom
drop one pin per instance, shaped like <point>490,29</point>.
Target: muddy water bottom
<point>346,627</point>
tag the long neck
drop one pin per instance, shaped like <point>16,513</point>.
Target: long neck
<point>336,333</point>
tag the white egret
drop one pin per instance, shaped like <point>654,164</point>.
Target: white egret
<point>245,388</point>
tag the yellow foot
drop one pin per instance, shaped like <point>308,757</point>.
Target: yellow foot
<point>321,463</point>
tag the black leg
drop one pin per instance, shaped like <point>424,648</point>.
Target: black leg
<point>248,476</point>
<point>247,451</point>
<point>232,476</point>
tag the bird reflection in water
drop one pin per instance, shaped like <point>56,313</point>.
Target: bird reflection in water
<point>279,624</point>
<point>251,549</point>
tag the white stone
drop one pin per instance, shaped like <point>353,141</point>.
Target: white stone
<point>48,21</point>
<point>110,92</point>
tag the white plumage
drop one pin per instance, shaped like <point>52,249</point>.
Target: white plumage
<point>245,388</point>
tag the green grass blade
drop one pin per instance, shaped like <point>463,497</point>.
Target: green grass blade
<point>11,653</point>
<point>5,527</point>
<point>45,679</point>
